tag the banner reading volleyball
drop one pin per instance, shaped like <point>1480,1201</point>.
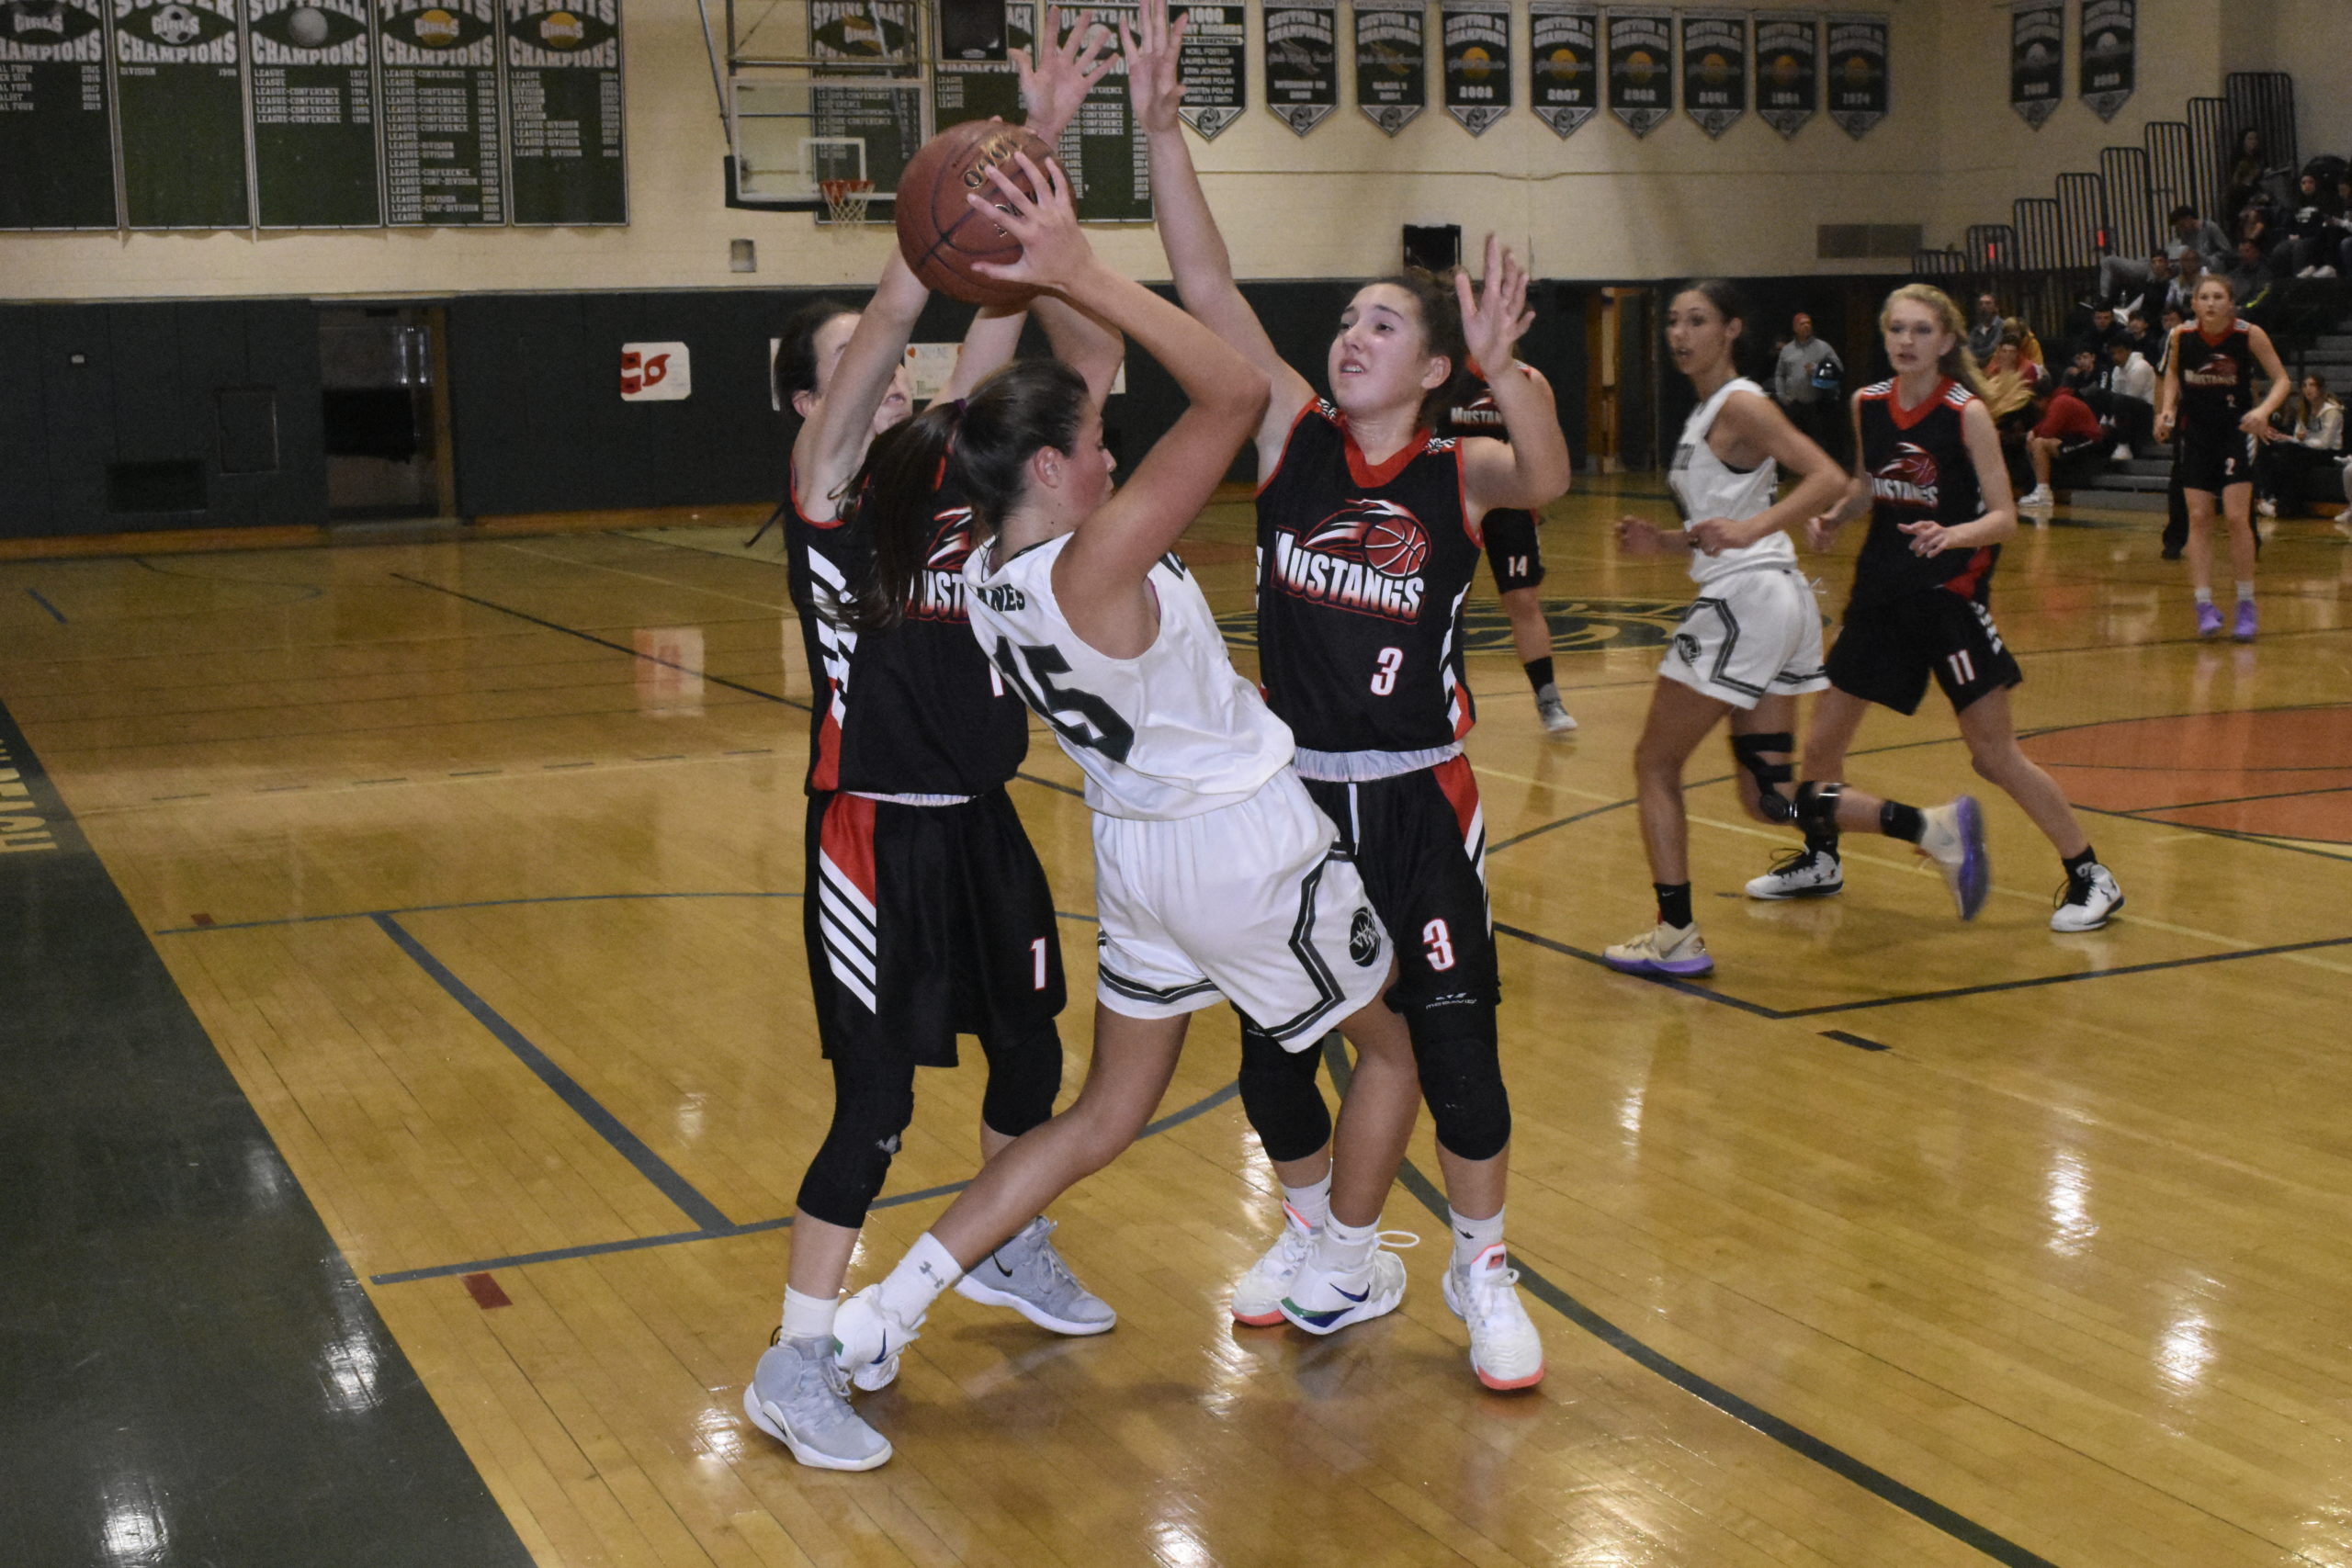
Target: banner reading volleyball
<point>1302,63</point>
<point>1563,84</point>
<point>1476,39</point>
<point>1392,62</point>
<point>2110,53</point>
<point>2037,57</point>
<point>1714,68</point>
<point>1641,68</point>
<point>1788,72</point>
<point>1858,90</point>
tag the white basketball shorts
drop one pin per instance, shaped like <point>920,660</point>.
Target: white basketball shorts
<point>1747,636</point>
<point>1246,905</point>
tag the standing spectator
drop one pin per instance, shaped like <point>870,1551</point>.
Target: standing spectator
<point>1985,335</point>
<point>1808,382</point>
<point>2130,384</point>
<point>2068,441</point>
<point>2289,469</point>
<point>2198,236</point>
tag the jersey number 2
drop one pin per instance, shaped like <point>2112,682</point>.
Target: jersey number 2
<point>1383,680</point>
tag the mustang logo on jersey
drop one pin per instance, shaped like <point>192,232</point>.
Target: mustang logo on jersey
<point>1366,557</point>
<point>2219,370</point>
<point>938,591</point>
<point>1908,478</point>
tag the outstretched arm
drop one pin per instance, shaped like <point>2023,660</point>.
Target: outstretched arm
<point>1091,347</point>
<point>1533,467</point>
<point>832,444</point>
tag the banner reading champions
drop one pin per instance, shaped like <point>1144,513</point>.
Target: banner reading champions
<point>1564,88</point>
<point>1303,62</point>
<point>1857,94</point>
<point>1392,62</point>
<point>1788,72</point>
<point>1476,39</point>
<point>2110,53</point>
<point>2037,57</point>
<point>1641,68</point>
<point>1714,68</point>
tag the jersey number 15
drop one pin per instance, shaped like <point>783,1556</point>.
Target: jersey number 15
<point>1079,717</point>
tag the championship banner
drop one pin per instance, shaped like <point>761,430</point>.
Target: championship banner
<point>1392,62</point>
<point>1303,62</point>
<point>1858,91</point>
<point>1714,68</point>
<point>1641,68</point>
<point>2109,54</point>
<point>1210,64</point>
<point>1563,87</point>
<point>1477,39</point>
<point>2037,58</point>
<point>1788,72</point>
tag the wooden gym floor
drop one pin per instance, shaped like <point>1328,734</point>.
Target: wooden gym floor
<point>1899,1242</point>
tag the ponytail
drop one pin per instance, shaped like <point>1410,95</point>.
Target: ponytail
<point>1957,364</point>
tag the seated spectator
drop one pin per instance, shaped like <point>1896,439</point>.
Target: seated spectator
<point>2311,242</point>
<point>2188,271</point>
<point>2010,387</point>
<point>2146,341</point>
<point>2128,383</point>
<point>2292,471</point>
<point>2141,284</point>
<point>2251,278</point>
<point>2092,339</point>
<point>2068,443</point>
<point>2197,236</point>
<point>2081,372</point>
<point>2013,329</point>
<point>2165,336</point>
<point>1985,336</point>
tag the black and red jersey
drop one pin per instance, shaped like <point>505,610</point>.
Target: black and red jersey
<point>2216,380</point>
<point>917,709</point>
<point>1362,576</point>
<point>1920,470</point>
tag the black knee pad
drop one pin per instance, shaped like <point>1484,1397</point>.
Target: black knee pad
<point>1749,751</point>
<point>1462,1079</point>
<point>872,1103</point>
<point>1025,1077</point>
<point>1280,1096</point>
<point>1816,808</point>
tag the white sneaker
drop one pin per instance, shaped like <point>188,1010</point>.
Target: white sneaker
<point>1954,839</point>
<point>1027,1275</point>
<point>1505,1351</point>
<point>1662,950</point>
<point>799,1397</point>
<point>2085,902</point>
<point>1800,873</point>
<point>1553,712</point>
<point>1258,1298</point>
<point>868,1339</point>
<point>2323,272</point>
<point>2122,453</point>
<point>1322,1300</point>
<point>2266,508</point>
<point>2038,497</point>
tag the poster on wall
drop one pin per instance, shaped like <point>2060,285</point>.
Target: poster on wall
<point>1211,65</point>
<point>1788,72</point>
<point>564,118</point>
<point>1641,68</point>
<point>1564,86</point>
<point>55,139</point>
<point>2109,52</point>
<point>1858,89</point>
<point>181,79</point>
<point>1392,62</point>
<point>437,61</point>
<point>1302,63</point>
<point>1476,35</point>
<point>1714,68</point>
<point>313,108</point>
<point>2037,58</point>
<point>1101,149</point>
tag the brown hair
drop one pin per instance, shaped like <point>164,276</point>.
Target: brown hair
<point>1441,315</point>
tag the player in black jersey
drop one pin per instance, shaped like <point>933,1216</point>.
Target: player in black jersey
<point>1929,474</point>
<point>1368,542</point>
<point>926,913</point>
<point>1515,554</point>
<point>2208,393</point>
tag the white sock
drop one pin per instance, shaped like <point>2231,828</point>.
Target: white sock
<point>1343,1248</point>
<point>2202,595</point>
<point>2245,592</point>
<point>921,1276</point>
<point>807,1317</point>
<point>1312,1204</point>
<point>1471,1238</point>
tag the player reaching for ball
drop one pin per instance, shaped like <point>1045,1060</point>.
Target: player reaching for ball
<point>1215,874</point>
<point>926,913</point>
<point>1367,541</point>
<point>1928,471</point>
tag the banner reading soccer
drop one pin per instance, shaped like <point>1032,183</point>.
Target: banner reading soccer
<point>1563,86</point>
<point>1392,62</point>
<point>1858,91</point>
<point>2037,58</point>
<point>1714,68</point>
<point>2110,53</point>
<point>1302,63</point>
<point>1641,68</point>
<point>1788,72</point>
<point>1216,86</point>
<point>1477,36</point>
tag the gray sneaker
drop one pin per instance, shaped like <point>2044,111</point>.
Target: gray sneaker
<point>1027,1275</point>
<point>801,1399</point>
<point>1554,713</point>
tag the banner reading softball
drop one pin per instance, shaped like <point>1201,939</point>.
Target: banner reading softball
<point>1302,63</point>
<point>1857,94</point>
<point>2037,58</point>
<point>1641,68</point>
<point>1392,62</point>
<point>1476,39</point>
<point>1563,86</point>
<point>1714,68</point>
<point>2111,46</point>
<point>1788,72</point>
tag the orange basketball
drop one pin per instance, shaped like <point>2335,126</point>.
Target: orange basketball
<point>939,233</point>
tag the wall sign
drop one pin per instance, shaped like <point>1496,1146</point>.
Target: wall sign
<point>1641,68</point>
<point>1564,78</point>
<point>656,373</point>
<point>1302,63</point>
<point>2037,58</point>
<point>1392,62</point>
<point>1475,36</point>
<point>1788,72</point>
<point>1714,68</point>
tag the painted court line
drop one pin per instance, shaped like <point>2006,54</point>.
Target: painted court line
<point>57,613</point>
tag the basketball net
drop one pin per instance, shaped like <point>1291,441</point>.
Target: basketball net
<point>845,200</point>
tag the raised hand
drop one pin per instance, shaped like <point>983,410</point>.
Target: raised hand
<point>1155,88</point>
<point>1495,317</point>
<point>1057,83</point>
<point>1054,250</point>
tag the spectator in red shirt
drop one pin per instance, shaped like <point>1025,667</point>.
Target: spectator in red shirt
<point>2068,434</point>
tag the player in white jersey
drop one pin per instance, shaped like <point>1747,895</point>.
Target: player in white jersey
<point>1751,641</point>
<point>1213,871</point>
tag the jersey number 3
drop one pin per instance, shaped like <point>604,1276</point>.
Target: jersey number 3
<point>1383,679</point>
<point>1079,717</point>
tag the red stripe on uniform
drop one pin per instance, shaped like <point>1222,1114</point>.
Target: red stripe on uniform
<point>1461,789</point>
<point>847,840</point>
<point>825,772</point>
<point>1965,585</point>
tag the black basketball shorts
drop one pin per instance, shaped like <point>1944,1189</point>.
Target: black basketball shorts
<point>1418,840</point>
<point>1512,549</point>
<point>1886,651</point>
<point>924,922</point>
<point>2212,464</point>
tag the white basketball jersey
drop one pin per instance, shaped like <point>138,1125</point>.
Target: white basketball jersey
<point>1173,732</point>
<point>1708,487</point>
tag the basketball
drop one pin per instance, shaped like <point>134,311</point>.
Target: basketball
<point>1396,547</point>
<point>939,233</point>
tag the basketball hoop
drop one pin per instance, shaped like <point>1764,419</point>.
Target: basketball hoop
<point>845,200</point>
